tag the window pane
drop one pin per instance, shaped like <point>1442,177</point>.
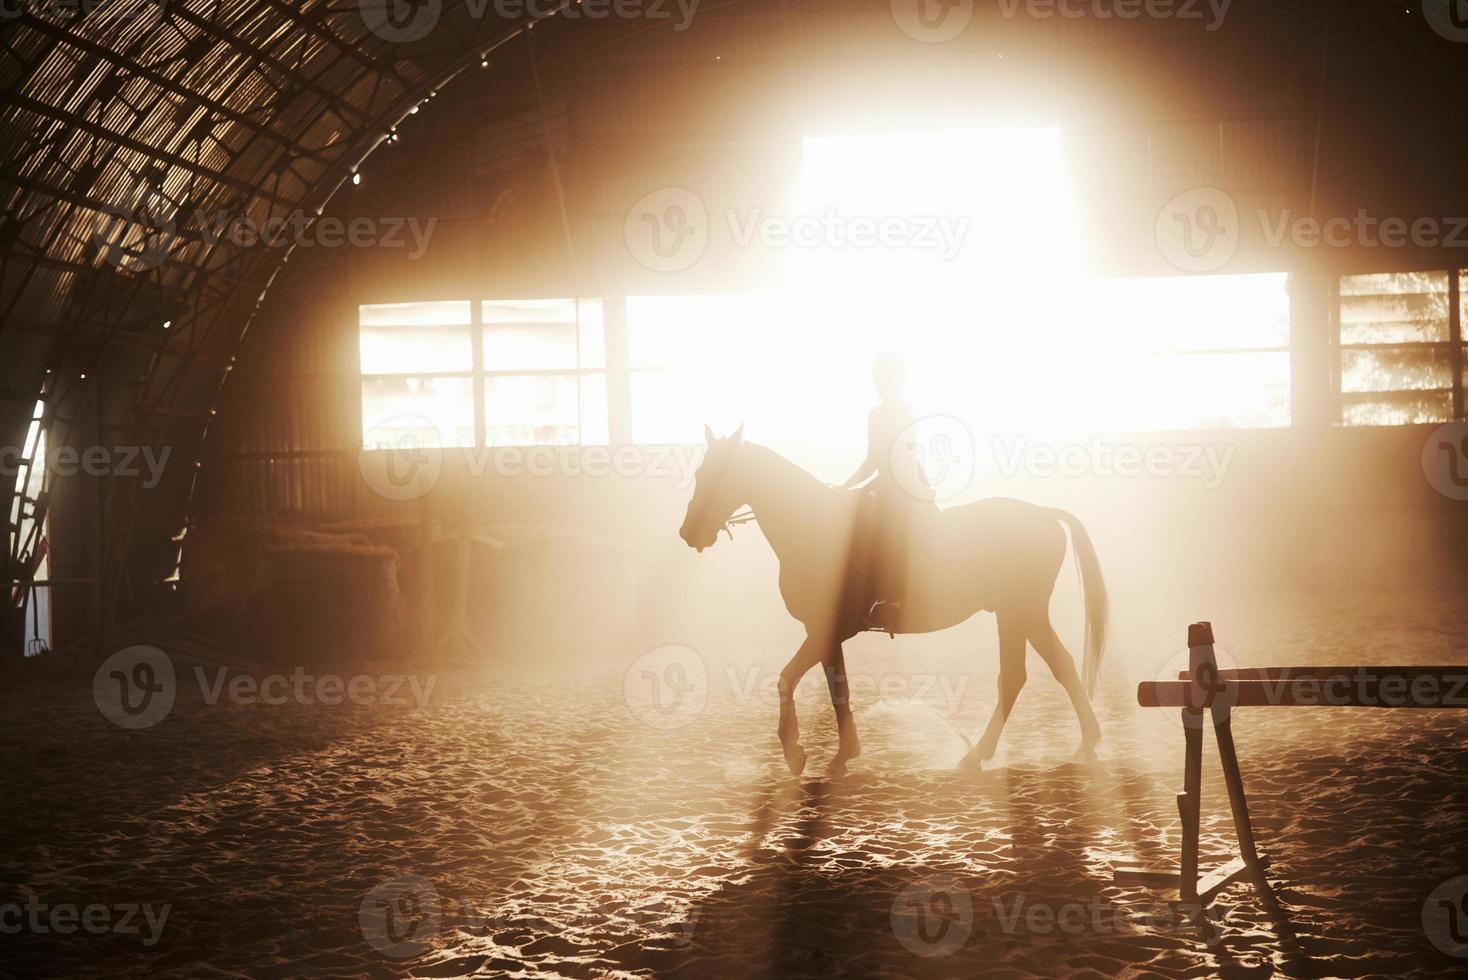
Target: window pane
<point>421,349</point>
<point>703,331</point>
<point>545,411</point>
<point>517,311</point>
<point>535,347</point>
<point>1394,308</point>
<point>1190,312</point>
<point>673,406</point>
<point>414,314</point>
<point>442,408</point>
<point>1406,408</point>
<point>543,335</point>
<point>594,427</point>
<point>1190,391</point>
<point>1396,369</point>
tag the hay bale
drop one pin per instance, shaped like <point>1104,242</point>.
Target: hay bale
<point>329,600</point>
<point>219,571</point>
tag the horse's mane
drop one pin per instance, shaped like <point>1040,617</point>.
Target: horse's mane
<point>767,457</point>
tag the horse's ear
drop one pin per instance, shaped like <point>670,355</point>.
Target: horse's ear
<point>738,436</point>
<point>708,435</point>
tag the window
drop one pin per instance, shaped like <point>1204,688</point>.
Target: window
<point>497,373</point>
<point>685,355</point>
<point>544,363</point>
<point>1400,347</point>
<point>1106,355</point>
<point>30,533</point>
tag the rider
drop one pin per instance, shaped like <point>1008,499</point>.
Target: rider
<point>893,471</point>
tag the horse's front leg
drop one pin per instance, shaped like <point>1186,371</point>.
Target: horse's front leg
<point>811,652</point>
<point>841,701</point>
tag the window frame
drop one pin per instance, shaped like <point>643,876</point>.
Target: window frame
<point>1453,347</point>
<point>478,375</point>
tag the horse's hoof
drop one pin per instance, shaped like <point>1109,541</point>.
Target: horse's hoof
<point>972,763</point>
<point>1086,754</point>
<point>795,759</point>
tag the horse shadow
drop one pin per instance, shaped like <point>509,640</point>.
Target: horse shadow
<point>1003,876</point>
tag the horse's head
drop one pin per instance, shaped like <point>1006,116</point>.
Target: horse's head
<point>716,494</point>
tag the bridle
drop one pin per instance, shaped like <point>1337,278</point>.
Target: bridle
<point>743,517</point>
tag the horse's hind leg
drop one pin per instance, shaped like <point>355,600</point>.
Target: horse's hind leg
<point>1012,629</point>
<point>1062,665</point>
<point>811,652</point>
<point>841,701</point>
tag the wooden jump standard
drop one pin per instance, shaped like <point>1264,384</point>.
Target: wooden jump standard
<point>1203,686</point>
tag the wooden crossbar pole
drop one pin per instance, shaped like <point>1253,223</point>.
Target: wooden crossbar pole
<point>1199,693</point>
<point>1298,673</point>
<point>1204,687</point>
<point>1362,687</point>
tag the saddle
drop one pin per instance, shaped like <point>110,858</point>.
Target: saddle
<point>877,559</point>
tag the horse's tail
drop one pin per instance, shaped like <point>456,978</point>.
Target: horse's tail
<point>1093,587</point>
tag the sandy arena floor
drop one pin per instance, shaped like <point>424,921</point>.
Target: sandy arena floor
<point>570,828</point>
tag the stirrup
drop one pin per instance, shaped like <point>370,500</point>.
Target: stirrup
<point>873,624</point>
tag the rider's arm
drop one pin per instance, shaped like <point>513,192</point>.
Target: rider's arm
<point>864,472</point>
<point>872,463</point>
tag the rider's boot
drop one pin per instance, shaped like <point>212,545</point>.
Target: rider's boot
<point>883,615</point>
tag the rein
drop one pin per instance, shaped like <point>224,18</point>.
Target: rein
<point>743,517</point>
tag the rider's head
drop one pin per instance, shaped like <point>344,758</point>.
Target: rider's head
<point>714,497</point>
<point>889,373</point>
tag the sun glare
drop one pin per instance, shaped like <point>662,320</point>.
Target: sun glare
<point>985,283</point>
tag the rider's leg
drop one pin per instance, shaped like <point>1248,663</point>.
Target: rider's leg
<point>811,652</point>
<point>1047,644</point>
<point>893,534</point>
<point>1012,629</point>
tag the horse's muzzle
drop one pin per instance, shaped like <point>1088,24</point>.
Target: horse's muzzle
<point>687,537</point>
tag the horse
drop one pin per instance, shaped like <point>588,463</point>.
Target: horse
<point>999,554</point>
